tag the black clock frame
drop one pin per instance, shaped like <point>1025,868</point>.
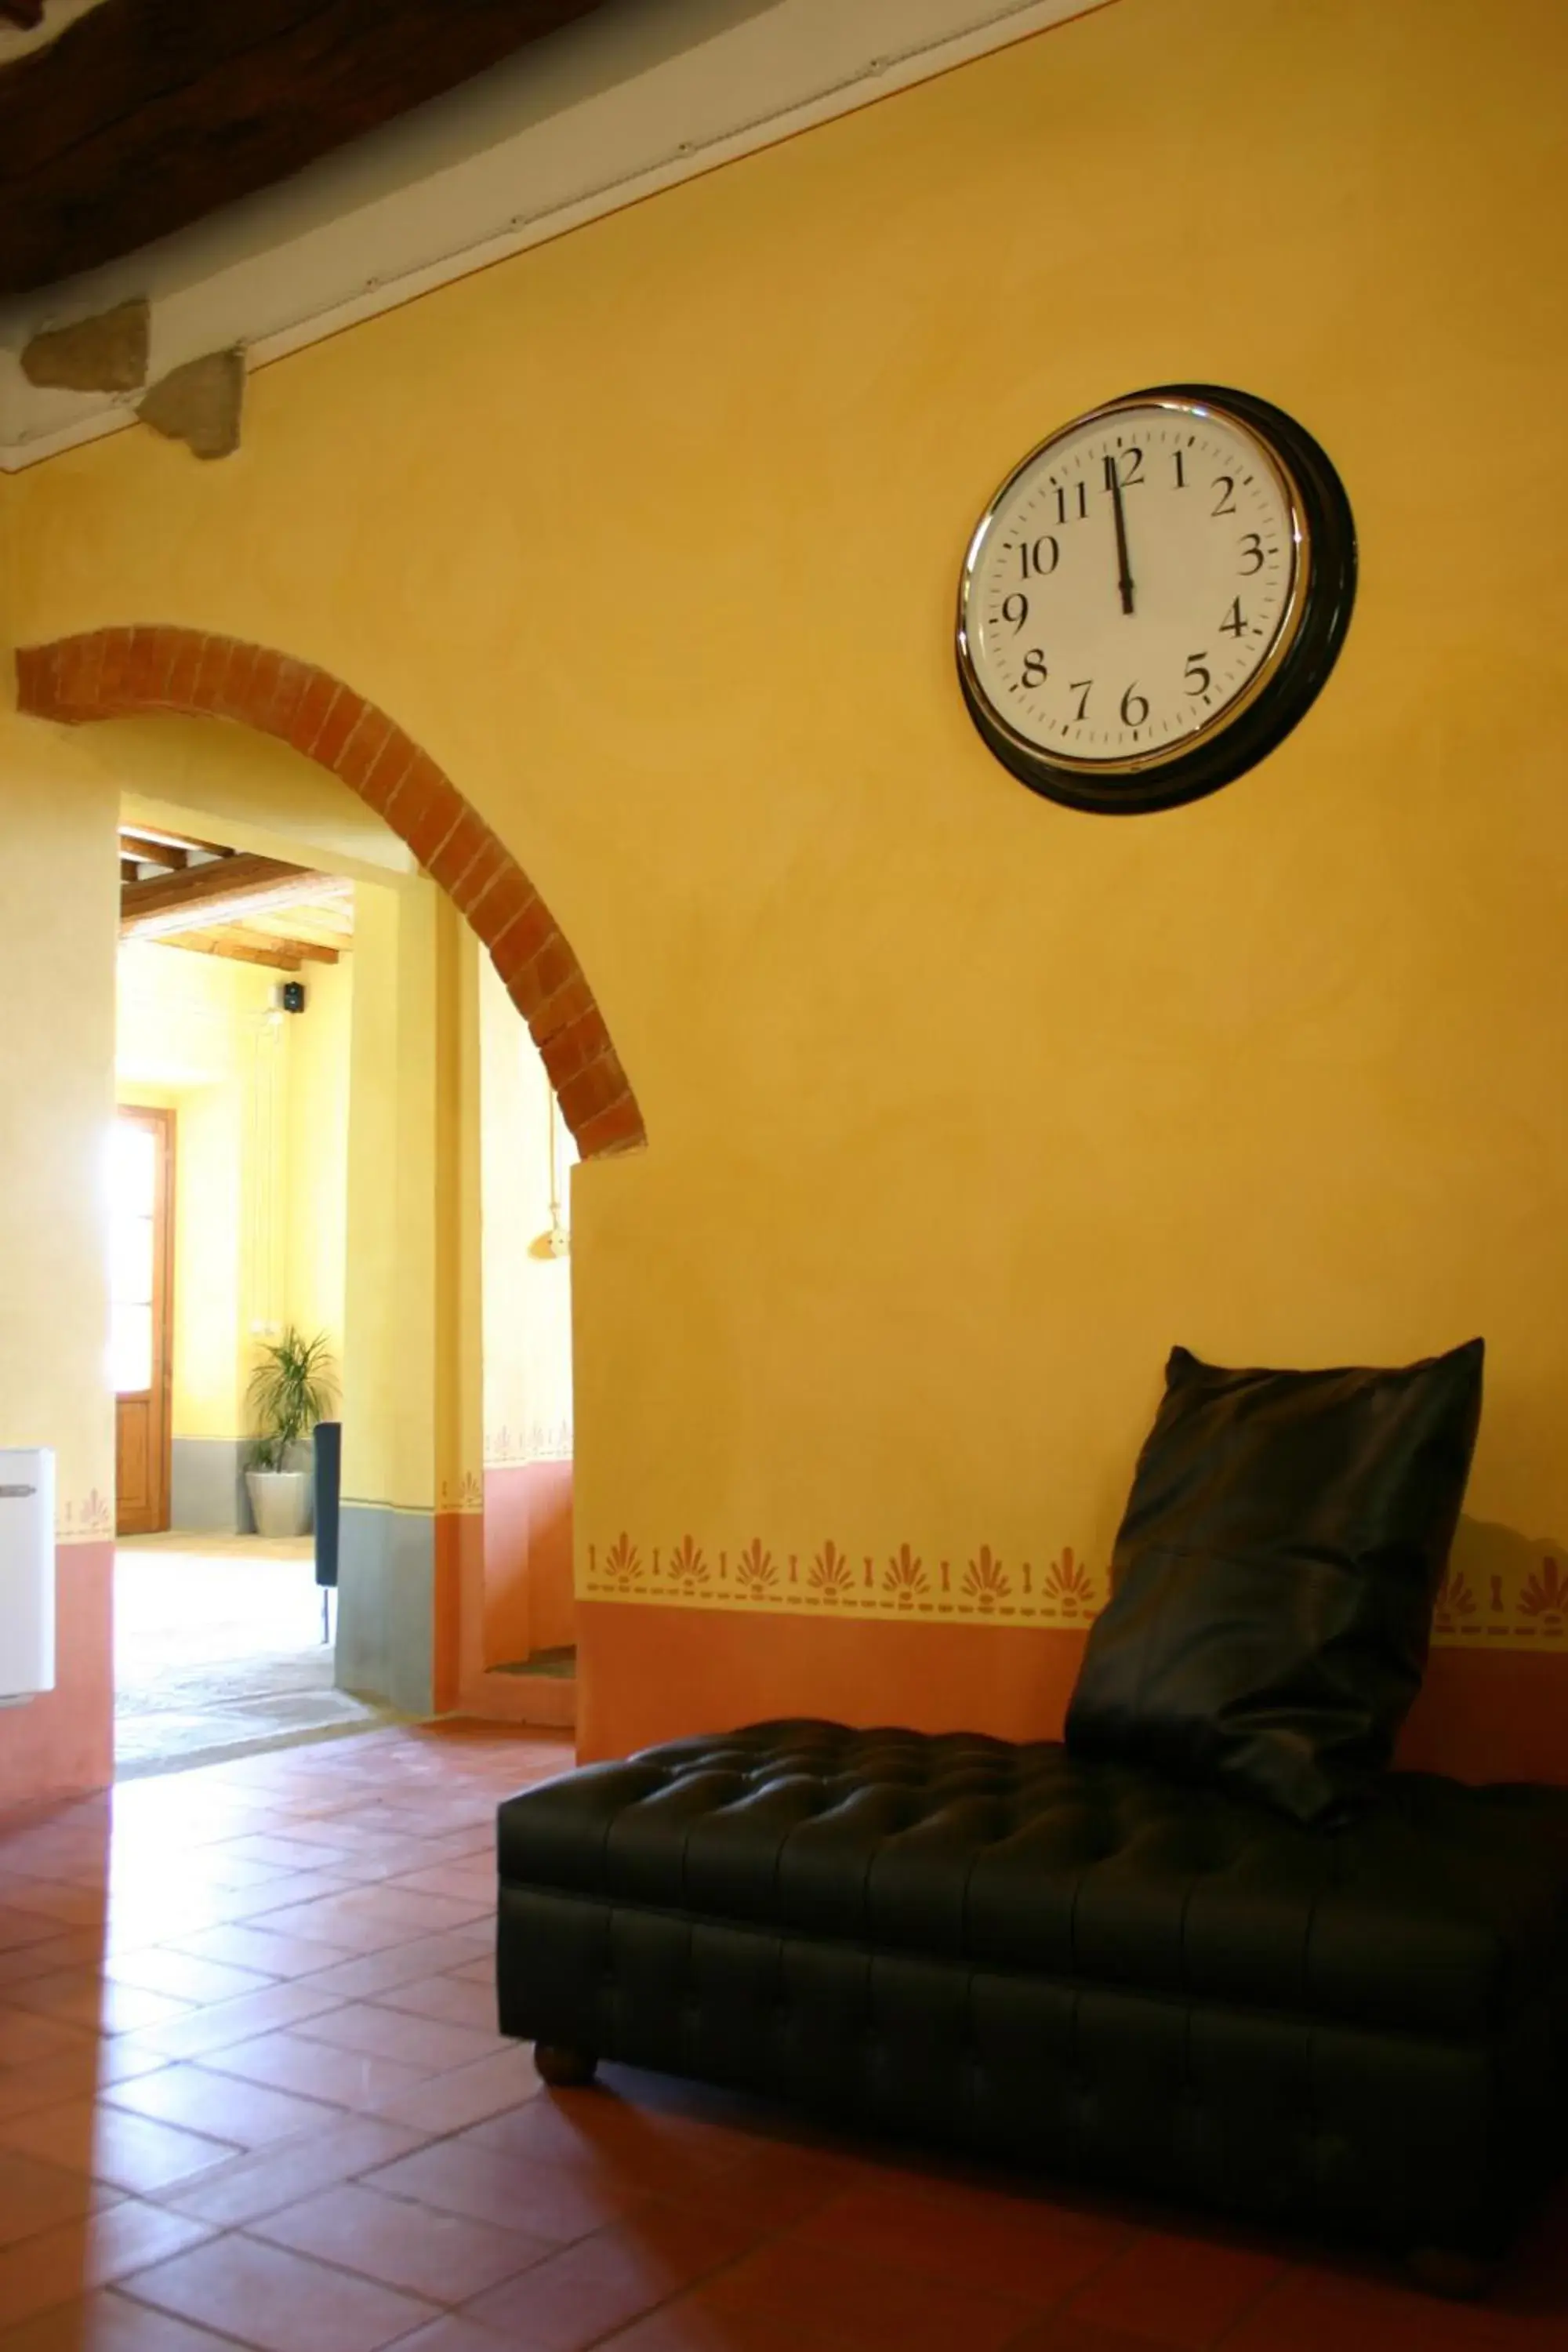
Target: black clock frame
<point>1282,701</point>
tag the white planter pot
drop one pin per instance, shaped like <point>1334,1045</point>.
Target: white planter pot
<point>279,1501</point>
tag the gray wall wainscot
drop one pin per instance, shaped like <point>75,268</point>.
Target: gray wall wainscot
<point>206,1487</point>
<point>386,1585</point>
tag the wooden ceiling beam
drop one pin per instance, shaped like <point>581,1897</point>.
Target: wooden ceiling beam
<point>178,840</point>
<point>298,950</point>
<point>308,920</point>
<point>247,946</point>
<point>148,114</point>
<point>275,955</point>
<point>226,889</point>
<point>147,850</point>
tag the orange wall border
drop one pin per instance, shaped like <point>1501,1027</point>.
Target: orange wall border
<point>62,1743</point>
<point>648,1674</point>
<point>530,1600</point>
<point>458,1565</point>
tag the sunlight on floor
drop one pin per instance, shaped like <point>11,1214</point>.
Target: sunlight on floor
<point>218,1651</point>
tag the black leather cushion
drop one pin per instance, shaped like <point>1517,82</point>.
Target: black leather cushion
<point>1443,1910</point>
<point>1274,1577</point>
<point>1070,1964</point>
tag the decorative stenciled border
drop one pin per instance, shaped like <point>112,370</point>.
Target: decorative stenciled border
<point>831,1582</point>
<point>1523,1608</point>
<point>542,1441</point>
<point>90,1522</point>
<point>465,1493</point>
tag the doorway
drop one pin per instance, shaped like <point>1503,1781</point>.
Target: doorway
<point>142,1201</point>
<point>526,1156</point>
<point>233,1018</point>
<point>418,1565</point>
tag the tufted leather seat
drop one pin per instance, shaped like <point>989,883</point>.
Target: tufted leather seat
<point>1070,1960</point>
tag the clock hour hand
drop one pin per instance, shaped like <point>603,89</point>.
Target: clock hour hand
<point>1123,575</point>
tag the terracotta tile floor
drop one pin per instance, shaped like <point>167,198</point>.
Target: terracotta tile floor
<point>251,2093</point>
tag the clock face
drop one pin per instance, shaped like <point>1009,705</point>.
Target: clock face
<point>1148,587</point>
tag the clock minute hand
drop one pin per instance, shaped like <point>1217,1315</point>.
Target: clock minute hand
<point>1123,575</point>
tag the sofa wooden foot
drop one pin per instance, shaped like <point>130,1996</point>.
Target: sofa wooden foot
<point>1458,2277</point>
<point>562,2068</point>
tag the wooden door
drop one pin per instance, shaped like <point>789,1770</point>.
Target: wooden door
<point>143,1198</point>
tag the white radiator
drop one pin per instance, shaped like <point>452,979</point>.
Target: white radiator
<point>26,1572</point>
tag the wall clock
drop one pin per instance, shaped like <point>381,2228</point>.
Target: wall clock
<point>1154,596</point>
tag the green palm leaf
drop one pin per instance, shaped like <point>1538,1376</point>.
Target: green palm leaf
<point>293,1387</point>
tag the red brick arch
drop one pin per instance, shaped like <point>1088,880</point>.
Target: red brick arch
<point>141,672</point>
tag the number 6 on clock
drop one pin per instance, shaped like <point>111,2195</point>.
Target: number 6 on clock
<point>1133,527</point>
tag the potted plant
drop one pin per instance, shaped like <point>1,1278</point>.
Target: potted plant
<point>291,1391</point>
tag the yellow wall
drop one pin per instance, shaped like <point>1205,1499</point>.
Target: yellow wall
<point>526,1152</point>
<point>261,1159</point>
<point>527,1293</point>
<point>57,884</point>
<point>412,1432</point>
<point>316,1172</point>
<point>247,790</point>
<point>194,1035</point>
<point>964,1107</point>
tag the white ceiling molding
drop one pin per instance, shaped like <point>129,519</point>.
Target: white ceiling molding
<point>626,101</point>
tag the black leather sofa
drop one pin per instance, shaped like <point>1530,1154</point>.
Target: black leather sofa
<point>1076,1965</point>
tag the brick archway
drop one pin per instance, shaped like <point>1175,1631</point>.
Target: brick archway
<point>147,672</point>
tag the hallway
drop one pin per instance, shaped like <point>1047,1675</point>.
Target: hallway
<point>218,1652</point>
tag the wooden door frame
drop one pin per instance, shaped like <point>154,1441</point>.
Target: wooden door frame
<point>162,1121</point>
